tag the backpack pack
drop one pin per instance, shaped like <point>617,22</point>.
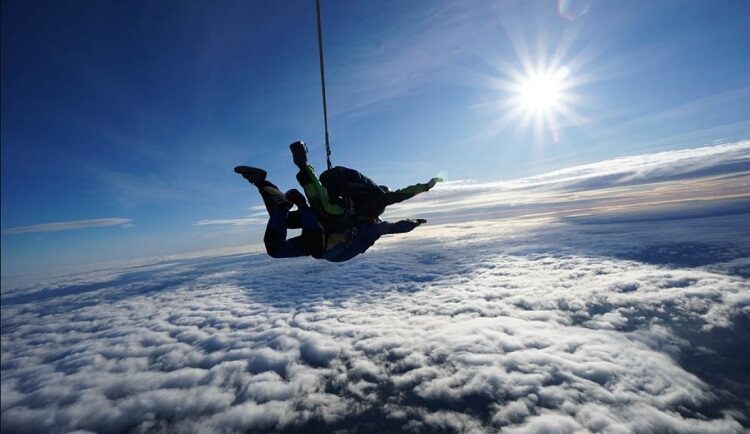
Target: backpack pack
<point>352,186</point>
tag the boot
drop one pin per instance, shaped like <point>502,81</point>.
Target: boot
<point>299,153</point>
<point>252,174</point>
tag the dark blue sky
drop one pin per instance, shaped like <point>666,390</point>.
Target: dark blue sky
<point>136,112</point>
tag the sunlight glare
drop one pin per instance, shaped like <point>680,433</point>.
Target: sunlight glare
<point>540,92</point>
<point>540,97</point>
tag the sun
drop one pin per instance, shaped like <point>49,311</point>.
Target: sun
<point>540,93</point>
<point>539,98</point>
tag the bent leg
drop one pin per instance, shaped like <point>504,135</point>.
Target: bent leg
<point>273,198</point>
<point>277,246</point>
<point>293,220</point>
<point>291,248</point>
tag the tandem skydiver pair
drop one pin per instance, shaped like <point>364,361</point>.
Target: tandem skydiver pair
<point>342,219</point>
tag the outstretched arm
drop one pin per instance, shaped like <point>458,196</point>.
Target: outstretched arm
<point>400,227</point>
<point>378,204</point>
<point>402,194</point>
<point>415,189</point>
<point>365,235</point>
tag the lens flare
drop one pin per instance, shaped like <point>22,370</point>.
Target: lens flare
<point>573,9</point>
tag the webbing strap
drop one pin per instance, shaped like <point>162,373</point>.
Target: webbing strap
<point>323,85</point>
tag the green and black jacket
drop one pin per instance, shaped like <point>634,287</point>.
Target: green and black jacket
<point>335,211</point>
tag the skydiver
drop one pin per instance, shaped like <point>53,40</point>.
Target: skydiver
<point>345,195</point>
<point>335,246</point>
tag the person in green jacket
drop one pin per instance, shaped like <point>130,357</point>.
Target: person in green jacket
<point>343,196</point>
<point>333,246</point>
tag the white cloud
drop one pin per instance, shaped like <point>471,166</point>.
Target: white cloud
<point>666,179</point>
<point>69,225</point>
<point>537,324</point>
<point>233,222</point>
<point>522,326</point>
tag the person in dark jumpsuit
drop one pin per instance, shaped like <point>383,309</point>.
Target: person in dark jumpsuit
<point>338,245</point>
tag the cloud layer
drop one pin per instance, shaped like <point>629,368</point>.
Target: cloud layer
<point>636,183</point>
<point>66,226</point>
<point>469,328</point>
<point>597,317</point>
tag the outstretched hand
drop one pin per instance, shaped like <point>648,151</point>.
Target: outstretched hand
<point>401,226</point>
<point>431,183</point>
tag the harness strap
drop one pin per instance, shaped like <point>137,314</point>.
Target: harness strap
<point>323,85</point>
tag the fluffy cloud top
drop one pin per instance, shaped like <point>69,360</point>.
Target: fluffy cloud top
<point>541,324</point>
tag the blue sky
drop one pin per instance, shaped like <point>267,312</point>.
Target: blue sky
<point>121,121</point>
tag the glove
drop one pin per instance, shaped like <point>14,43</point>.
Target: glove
<point>431,183</point>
